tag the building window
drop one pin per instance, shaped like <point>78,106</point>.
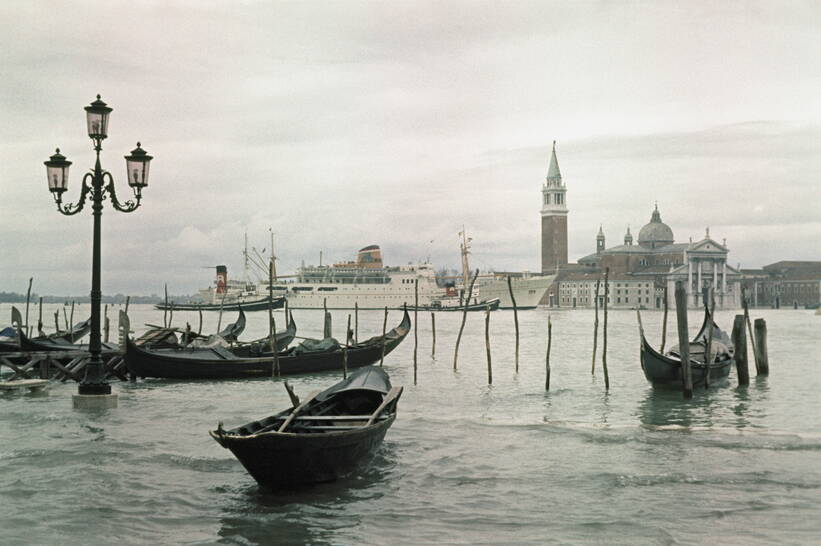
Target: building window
<point>559,198</point>
<point>547,199</point>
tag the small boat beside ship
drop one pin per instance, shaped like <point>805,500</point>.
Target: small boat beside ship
<point>327,437</point>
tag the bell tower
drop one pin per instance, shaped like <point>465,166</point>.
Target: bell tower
<point>554,217</point>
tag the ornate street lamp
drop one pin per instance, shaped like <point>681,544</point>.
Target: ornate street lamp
<point>97,184</point>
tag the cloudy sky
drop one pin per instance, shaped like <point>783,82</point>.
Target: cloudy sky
<point>342,124</point>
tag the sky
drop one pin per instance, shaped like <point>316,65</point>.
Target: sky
<point>342,124</point>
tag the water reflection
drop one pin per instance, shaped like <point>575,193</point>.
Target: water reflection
<point>665,407</point>
<point>309,514</point>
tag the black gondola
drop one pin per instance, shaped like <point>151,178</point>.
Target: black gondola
<point>221,363</point>
<point>325,438</point>
<point>665,370</point>
<point>38,344</point>
<point>248,305</point>
<point>58,341</point>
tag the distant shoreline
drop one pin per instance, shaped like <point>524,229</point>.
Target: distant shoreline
<point>13,297</point>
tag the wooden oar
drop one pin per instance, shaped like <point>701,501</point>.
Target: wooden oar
<point>394,394</point>
<point>297,411</point>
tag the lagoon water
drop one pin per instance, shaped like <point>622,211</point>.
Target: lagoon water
<point>465,462</point>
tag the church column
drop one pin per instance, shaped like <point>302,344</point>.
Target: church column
<point>698,288</point>
<point>724,276</point>
<point>689,275</point>
<point>715,275</point>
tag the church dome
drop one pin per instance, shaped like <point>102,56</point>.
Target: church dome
<point>656,233</point>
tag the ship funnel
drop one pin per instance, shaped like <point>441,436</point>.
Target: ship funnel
<point>222,278</point>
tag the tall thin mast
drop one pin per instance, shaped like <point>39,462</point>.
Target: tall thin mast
<point>273,256</point>
<point>465,251</point>
<point>245,255</point>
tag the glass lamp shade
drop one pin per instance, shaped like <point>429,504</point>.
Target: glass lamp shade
<point>57,172</point>
<point>136,165</point>
<point>97,119</point>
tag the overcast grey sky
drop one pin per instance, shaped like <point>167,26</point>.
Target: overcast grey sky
<point>341,124</point>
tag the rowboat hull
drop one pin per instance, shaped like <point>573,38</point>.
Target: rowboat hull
<point>273,459</point>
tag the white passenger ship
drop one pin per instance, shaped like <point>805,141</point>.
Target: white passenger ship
<point>365,283</point>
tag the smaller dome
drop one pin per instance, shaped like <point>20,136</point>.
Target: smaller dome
<point>656,233</point>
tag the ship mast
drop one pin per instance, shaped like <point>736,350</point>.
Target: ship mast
<point>245,255</point>
<point>465,249</point>
<point>273,256</point>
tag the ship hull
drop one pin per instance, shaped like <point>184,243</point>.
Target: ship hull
<point>528,291</point>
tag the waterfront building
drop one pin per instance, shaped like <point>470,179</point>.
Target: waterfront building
<point>784,283</point>
<point>640,272</point>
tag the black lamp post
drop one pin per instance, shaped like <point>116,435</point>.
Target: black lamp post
<point>96,185</point>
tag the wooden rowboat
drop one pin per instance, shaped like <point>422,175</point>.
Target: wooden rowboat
<point>324,438</point>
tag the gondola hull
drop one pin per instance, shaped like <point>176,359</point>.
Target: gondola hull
<point>250,305</point>
<point>221,364</point>
<point>273,459</point>
<point>665,372</point>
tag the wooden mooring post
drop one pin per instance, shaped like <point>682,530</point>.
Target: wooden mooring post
<point>384,326</point>
<point>222,305</point>
<point>664,321</point>
<point>604,330</point>
<point>345,349</point>
<point>739,338</point>
<point>708,360</point>
<point>487,346</point>
<point>356,321</point>
<point>199,325</point>
<point>56,320</point>
<point>756,358</point>
<point>272,325</point>
<point>761,344</point>
<point>165,310</point>
<point>415,324</point>
<point>683,341</point>
<point>106,324</point>
<point>547,357</point>
<point>515,319</point>
<point>71,321</point>
<point>26,327</point>
<point>464,318</point>
<point>433,331</point>
<point>40,317</point>
<point>595,328</point>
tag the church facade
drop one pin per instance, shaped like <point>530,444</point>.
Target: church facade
<point>639,273</point>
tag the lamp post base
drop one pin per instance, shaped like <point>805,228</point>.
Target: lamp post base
<point>94,401</point>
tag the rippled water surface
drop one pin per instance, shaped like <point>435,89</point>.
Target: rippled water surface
<point>464,462</point>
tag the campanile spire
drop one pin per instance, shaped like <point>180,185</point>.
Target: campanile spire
<point>554,217</point>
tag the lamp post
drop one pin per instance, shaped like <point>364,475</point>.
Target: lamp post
<point>97,185</point>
